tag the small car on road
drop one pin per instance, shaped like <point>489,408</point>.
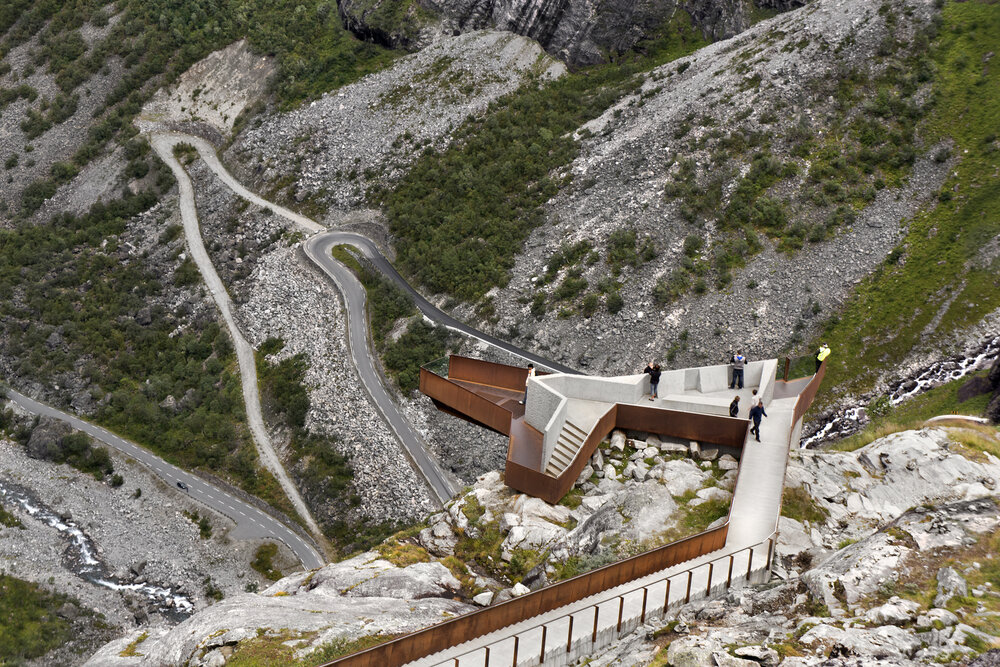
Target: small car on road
<point>182,486</point>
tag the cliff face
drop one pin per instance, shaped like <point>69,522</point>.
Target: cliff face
<point>580,32</point>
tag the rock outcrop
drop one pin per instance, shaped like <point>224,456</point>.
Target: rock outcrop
<point>579,32</point>
<point>359,597</point>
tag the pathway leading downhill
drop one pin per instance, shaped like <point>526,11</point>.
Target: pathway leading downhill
<point>250,521</point>
<point>163,144</point>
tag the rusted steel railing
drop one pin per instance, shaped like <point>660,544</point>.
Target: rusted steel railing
<point>436,638</point>
<point>808,394</point>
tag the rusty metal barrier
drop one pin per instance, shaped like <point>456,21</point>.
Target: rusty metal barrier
<point>488,373</point>
<point>808,394</point>
<point>464,402</point>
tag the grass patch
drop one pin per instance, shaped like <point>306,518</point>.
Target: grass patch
<point>263,561</point>
<point>796,503</point>
<point>9,520</point>
<point>29,625</point>
<point>131,651</point>
<point>945,284</point>
<point>403,554</point>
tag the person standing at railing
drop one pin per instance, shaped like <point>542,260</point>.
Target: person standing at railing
<point>756,414</point>
<point>654,372</point>
<point>738,361</point>
<point>531,374</point>
<point>821,354</point>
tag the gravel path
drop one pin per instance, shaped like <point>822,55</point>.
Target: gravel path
<point>163,144</point>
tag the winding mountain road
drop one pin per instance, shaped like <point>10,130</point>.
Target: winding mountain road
<point>318,249</point>
<point>163,144</point>
<point>250,521</point>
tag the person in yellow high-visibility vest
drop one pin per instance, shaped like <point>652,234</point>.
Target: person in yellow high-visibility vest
<point>823,353</point>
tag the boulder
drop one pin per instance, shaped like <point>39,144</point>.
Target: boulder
<point>46,438</point>
<point>673,448</point>
<point>439,539</point>
<point>618,440</point>
<point>519,589</point>
<point>680,476</point>
<point>708,454</point>
<point>949,584</point>
<point>483,599</point>
<point>695,449</point>
<point>942,616</point>
<point>762,655</point>
<point>894,612</point>
<point>886,642</point>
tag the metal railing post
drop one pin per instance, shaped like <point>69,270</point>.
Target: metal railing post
<point>517,638</point>
<point>621,609</point>
<point>711,570</point>
<point>666,598</point>
<point>487,663</point>
<point>687,595</point>
<point>569,639</point>
<point>729,576</point>
<point>597,612</point>
<point>770,552</point>
<point>544,629</point>
<point>749,564</point>
<point>645,592</point>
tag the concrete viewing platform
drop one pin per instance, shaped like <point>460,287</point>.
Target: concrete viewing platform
<point>571,619</point>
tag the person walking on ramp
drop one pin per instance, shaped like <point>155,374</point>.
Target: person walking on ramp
<point>756,414</point>
<point>734,407</point>
<point>653,370</point>
<point>738,361</point>
<point>531,374</point>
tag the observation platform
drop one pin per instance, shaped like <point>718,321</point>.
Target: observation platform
<point>571,619</point>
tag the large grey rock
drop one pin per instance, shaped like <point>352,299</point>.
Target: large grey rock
<point>949,584</point>
<point>894,612</point>
<point>680,476</point>
<point>759,654</point>
<point>46,438</point>
<point>883,642</point>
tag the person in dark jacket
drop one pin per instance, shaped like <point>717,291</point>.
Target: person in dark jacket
<point>756,414</point>
<point>653,370</point>
<point>734,407</point>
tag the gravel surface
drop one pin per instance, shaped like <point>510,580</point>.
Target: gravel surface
<point>368,132</point>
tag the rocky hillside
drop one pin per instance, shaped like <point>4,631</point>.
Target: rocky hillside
<point>578,32</point>
<point>859,575</point>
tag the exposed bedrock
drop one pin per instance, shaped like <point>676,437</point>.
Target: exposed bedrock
<point>580,32</point>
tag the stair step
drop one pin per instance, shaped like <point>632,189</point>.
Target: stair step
<point>576,429</point>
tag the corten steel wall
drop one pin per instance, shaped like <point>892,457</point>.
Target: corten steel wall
<point>449,633</point>
<point>486,372</point>
<point>462,400</point>
<point>809,393</point>
<point>689,425</point>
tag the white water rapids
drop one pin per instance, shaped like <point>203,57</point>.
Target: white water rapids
<point>852,419</point>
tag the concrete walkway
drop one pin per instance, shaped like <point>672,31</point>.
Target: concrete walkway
<point>753,522</point>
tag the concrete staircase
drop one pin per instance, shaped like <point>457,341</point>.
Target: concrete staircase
<point>571,439</point>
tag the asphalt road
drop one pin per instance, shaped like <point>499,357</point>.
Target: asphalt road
<point>327,240</point>
<point>250,521</point>
<point>317,249</point>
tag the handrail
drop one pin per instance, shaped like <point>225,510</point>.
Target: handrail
<point>419,644</point>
